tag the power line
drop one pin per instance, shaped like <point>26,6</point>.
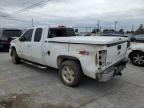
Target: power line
<point>9,18</point>
<point>23,10</point>
<point>31,6</point>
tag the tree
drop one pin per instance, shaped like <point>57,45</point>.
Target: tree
<point>129,32</point>
<point>140,30</point>
<point>108,31</point>
<point>95,30</point>
<point>121,31</point>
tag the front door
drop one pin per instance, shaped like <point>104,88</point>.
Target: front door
<point>25,42</point>
<point>37,46</point>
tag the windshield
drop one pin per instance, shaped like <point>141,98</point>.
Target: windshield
<point>12,33</point>
<point>61,32</point>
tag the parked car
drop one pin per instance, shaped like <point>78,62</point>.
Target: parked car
<point>139,38</point>
<point>132,38</point>
<point>7,35</point>
<point>136,54</point>
<point>97,57</point>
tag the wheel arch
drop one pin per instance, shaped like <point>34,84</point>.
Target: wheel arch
<point>63,58</point>
<point>134,52</point>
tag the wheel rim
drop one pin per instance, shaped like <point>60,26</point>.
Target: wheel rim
<point>68,74</point>
<point>138,59</point>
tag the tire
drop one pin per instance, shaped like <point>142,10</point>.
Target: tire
<point>15,58</point>
<point>137,58</point>
<point>71,73</point>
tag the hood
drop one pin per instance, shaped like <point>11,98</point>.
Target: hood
<point>137,46</point>
<point>102,40</point>
<point>14,40</point>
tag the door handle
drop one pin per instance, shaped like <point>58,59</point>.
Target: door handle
<point>48,53</point>
<point>45,41</point>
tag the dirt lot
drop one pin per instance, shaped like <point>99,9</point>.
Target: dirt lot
<point>26,86</point>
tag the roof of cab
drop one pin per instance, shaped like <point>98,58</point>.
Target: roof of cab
<point>52,26</point>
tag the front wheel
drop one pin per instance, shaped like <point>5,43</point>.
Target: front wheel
<point>15,58</point>
<point>137,58</point>
<point>71,73</point>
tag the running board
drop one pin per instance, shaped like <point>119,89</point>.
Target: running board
<point>34,64</point>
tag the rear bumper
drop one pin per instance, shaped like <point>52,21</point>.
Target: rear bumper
<point>112,71</point>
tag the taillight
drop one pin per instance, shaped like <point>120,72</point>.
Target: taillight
<point>102,57</point>
<point>4,39</point>
<point>96,59</point>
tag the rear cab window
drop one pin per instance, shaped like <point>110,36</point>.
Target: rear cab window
<point>61,32</point>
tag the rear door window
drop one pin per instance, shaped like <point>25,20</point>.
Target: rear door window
<point>38,35</point>
<point>61,32</point>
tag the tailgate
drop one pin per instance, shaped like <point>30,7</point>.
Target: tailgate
<point>116,52</point>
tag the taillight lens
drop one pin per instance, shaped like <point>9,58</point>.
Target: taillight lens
<point>4,39</point>
<point>96,59</point>
<point>102,57</point>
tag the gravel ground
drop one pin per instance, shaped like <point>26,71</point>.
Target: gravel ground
<point>27,86</point>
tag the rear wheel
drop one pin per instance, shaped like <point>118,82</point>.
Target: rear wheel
<point>71,73</point>
<point>137,58</point>
<point>15,58</point>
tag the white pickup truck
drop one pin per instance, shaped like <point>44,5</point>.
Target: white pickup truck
<point>97,57</point>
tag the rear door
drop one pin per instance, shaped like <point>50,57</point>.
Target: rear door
<point>25,44</point>
<point>37,46</point>
<point>51,50</point>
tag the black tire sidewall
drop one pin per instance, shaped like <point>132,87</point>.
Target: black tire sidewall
<point>15,57</point>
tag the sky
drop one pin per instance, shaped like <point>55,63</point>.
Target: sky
<point>76,13</point>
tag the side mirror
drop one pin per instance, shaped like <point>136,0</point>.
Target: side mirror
<point>22,39</point>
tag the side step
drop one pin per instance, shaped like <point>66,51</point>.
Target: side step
<point>34,64</point>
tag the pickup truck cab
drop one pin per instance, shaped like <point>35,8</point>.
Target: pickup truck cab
<point>97,57</point>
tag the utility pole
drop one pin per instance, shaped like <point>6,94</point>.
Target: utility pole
<point>32,22</point>
<point>90,28</point>
<point>86,29</point>
<point>132,30</point>
<point>116,22</point>
<point>98,24</point>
